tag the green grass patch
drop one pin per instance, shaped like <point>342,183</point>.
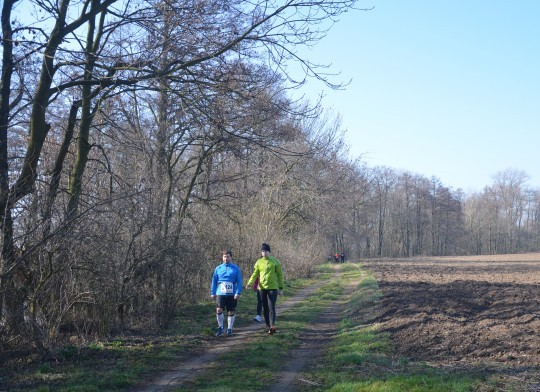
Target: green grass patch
<point>360,358</point>
<point>416,383</point>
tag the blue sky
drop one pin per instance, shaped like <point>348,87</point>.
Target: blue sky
<point>449,89</point>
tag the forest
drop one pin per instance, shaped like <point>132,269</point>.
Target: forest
<point>140,138</point>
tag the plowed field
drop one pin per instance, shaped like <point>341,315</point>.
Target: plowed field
<point>470,312</point>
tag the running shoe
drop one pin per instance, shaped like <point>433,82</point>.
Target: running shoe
<point>257,318</point>
<point>272,330</point>
<point>219,331</point>
<point>229,332</point>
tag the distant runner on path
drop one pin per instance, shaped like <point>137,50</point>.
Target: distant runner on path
<point>226,289</point>
<point>268,270</point>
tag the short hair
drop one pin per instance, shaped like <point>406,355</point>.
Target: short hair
<point>226,252</point>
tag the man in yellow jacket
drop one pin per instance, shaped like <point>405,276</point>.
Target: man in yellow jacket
<point>268,270</point>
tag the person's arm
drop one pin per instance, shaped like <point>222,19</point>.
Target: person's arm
<point>213,286</point>
<point>238,283</point>
<point>254,275</point>
<point>279,273</point>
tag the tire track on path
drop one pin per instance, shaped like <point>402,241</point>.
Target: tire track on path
<point>313,344</point>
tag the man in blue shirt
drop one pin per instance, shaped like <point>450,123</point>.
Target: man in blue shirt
<point>226,288</point>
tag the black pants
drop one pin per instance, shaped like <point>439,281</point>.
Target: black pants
<point>259,302</point>
<point>269,298</point>
<point>226,302</point>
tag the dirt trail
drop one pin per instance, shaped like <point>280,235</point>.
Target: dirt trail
<point>313,343</point>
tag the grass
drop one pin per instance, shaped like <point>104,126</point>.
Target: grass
<point>252,367</point>
<point>359,358</point>
<point>106,369</point>
<point>121,363</point>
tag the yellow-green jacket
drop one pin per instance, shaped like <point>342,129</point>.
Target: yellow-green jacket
<point>270,274</point>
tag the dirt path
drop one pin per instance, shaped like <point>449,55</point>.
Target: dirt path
<point>313,342</point>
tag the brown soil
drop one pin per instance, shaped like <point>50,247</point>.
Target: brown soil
<point>479,312</point>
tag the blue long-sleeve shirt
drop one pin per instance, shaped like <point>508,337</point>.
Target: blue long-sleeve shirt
<point>226,280</point>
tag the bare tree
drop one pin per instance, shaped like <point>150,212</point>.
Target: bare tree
<point>384,182</point>
<point>95,54</point>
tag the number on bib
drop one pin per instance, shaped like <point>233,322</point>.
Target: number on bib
<point>227,287</point>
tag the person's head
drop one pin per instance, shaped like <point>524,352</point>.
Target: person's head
<point>265,249</point>
<point>226,256</point>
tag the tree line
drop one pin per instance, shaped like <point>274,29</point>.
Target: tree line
<point>139,139</point>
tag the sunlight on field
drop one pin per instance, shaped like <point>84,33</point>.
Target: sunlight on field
<point>487,258</point>
<point>515,268</point>
<point>479,313</point>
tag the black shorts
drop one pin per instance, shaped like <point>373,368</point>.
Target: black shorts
<point>226,302</point>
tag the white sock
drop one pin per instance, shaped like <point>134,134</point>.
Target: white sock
<point>230,321</point>
<point>220,318</point>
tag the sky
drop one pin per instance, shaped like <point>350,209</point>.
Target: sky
<point>442,88</point>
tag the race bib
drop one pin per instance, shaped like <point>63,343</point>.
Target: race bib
<point>226,287</point>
